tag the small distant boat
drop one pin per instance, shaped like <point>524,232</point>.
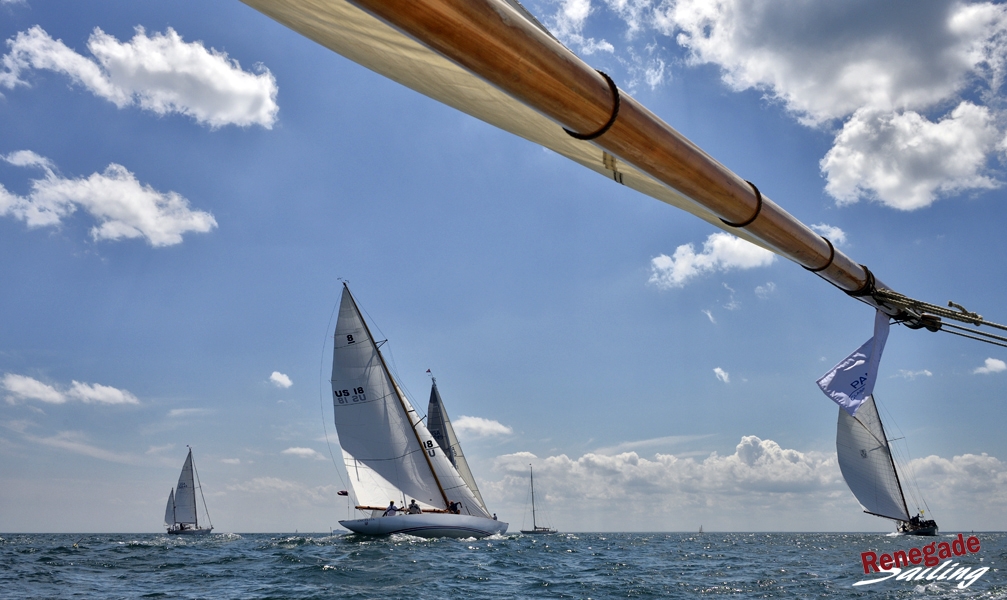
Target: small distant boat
<point>390,454</point>
<point>180,514</point>
<point>700,529</point>
<point>865,459</point>
<point>535,527</point>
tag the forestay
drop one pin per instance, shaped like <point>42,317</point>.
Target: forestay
<point>185,495</point>
<point>865,460</point>
<point>379,428</point>
<point>440,427</point>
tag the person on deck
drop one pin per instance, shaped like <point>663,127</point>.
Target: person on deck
<point>414,509</point>
<point>391,511</point>
<point>454,508</point>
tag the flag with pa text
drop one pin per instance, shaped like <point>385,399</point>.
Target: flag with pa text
<point>850,382</point>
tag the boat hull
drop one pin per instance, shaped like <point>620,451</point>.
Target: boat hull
<point>928,531</point>
<point>428,525</point>
<point>199,531</point>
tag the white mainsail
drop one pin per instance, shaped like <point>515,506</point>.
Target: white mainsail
<point>865,460</point>
<point>185,495</point>
<point>379,428</point>
<point>440,427</point>
<point>169,509</point>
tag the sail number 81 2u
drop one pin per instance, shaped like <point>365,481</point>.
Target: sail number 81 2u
<point>345,397</point>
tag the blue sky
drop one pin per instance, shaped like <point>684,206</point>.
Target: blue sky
<point>172,238</point>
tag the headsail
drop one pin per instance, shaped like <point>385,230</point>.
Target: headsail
<point>440,427</point>
<point>185,495</point>
<point>865,460</point>
<point>377,425</point>
<point>169,509</point>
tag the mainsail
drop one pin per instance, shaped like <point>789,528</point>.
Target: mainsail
<point>185,495</point>
<point>379,429</point>
<point>865,460</point>
<point>440,427</point>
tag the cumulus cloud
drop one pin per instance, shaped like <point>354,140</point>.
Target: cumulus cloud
<point>568,25</point>
<point>993,365</point>
<point>123,207</point>
<point>907,82</point>
<point>480,427</point>
<point>280,380</point>
<point>757,466</point>
<point>905,161</point>
<point>722,375</point>
<point>22,387</point>
<point>836,235</point>
<point>160,73</point>
<point>721,252</point>
<point>304,453</point>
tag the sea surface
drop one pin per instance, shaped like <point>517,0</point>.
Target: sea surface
<point>581,565</point>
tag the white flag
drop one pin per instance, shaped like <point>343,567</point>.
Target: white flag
<point>850,382</point>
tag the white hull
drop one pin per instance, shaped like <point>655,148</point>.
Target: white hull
<point>428,525</point>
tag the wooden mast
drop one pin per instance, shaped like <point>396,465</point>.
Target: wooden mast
<point>496,42</point>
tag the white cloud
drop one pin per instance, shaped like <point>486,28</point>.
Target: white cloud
<point>176,413</point>
<point>669,440</point>
<point>480,427</point>
<point>160,73</point>
<point>993,365</point>
<point>765,291</point>
<point>722,375</point>
<point>231,461</point>
<point>123,207</point>
<point>568,25</point>
<point>894,72</point>
<point>21,387</point>
<point>905,161</point>
<point>280,380</point>
<point>304,453</point>
<point>836,235</point>
<point>100,394</point>
<point>912,374</point>
<point>709,315</point>
<point>721,252</point>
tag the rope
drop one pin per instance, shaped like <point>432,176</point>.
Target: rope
<point>924,314</point>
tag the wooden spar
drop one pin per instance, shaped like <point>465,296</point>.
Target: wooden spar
<point>494,41</point>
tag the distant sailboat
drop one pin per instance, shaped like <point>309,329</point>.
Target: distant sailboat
<point>865,459</point>
<point>700,529</point>
<point>180,513</point>
<point>535,527</point>
<point>390,454</point>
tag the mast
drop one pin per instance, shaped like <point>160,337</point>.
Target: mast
<point>402,404</point>
<point>884,436</point>
<point>532,472</point>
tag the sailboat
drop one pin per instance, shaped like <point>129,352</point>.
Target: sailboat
<point>535,527</point>
<point>390,454</point>
<point>865,459</point>
<point>180,513</point>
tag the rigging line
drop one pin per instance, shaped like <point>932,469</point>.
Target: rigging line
<point>976,331</point>
<point>978,339</point>
<point>960,314</point>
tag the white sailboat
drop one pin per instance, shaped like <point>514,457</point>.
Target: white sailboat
<point>535,527</point>
<point>865,459</point>
<point>390,455</point>
<point>180,513</point>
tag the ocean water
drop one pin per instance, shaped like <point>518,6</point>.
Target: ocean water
<point>581,565</point>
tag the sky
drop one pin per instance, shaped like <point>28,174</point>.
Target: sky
<point>184,187</point>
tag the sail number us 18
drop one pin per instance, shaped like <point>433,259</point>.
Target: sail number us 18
<point>345,397</point>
